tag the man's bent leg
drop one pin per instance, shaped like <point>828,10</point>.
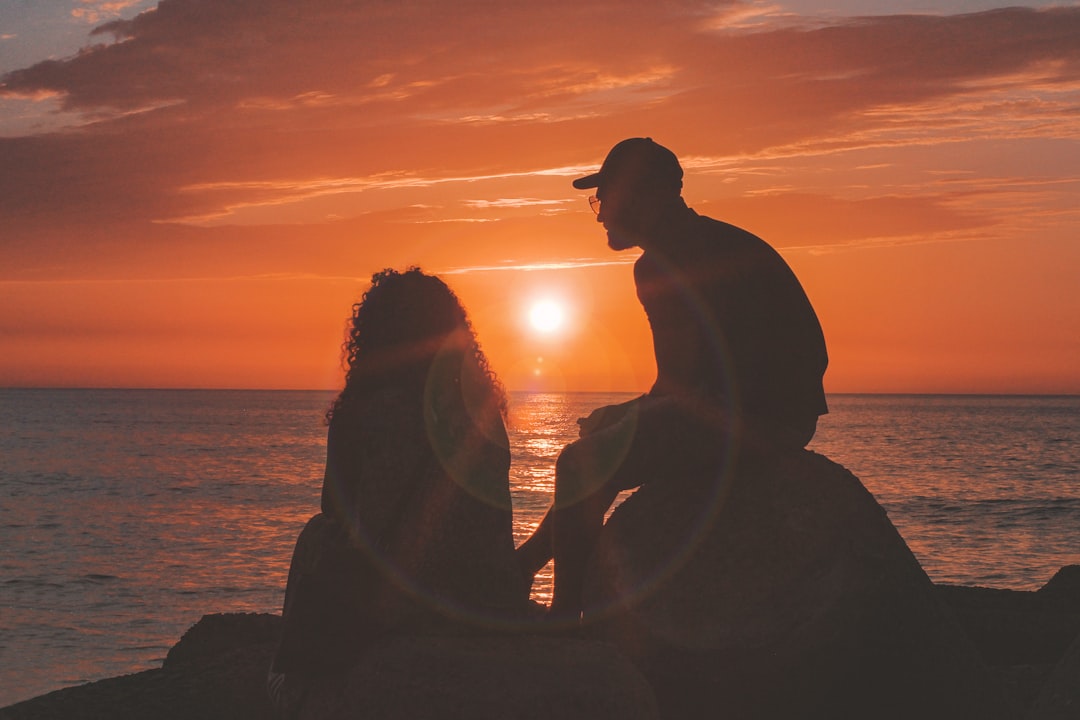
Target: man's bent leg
<point>607,434</point>
<point>652,437</point>
<point>576,519</point>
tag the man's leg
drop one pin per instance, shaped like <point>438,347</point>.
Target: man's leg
<point>571,525</point>
<point>576,519</point>
<point>647,441</point>
<point>656,437</point>
<point>619,422</point>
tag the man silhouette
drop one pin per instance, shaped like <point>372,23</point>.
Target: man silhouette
<point>740,357</point>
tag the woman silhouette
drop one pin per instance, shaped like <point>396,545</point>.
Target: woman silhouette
<point>415,533</point>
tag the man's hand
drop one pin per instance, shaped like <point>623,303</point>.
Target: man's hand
<point>606,416</point>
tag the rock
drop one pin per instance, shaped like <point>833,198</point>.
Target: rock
<point>1064,586</point>
<point>1015,627</point>
<point>218,670</point>
<point>783,591</point>
<point>495,678</point>
<point>1021,634</point>
<point>231,686</point>
<point>827,589</point>
<point>1060,695</point>
<point>217,634</point>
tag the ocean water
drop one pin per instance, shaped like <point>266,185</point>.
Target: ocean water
<point>125,515</point>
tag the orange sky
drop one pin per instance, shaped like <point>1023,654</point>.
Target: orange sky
<point>196,199</point>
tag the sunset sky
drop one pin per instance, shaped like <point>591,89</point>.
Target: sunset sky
<point>194,192</point>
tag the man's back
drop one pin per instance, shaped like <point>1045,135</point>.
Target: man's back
<point>730,320</point>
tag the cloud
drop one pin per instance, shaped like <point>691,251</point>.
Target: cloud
<point>222,51</point>
<point>219,111</point>
<point>513,203</point>
<point>94,11</point>
<point>760,16</point>
<point>230,53</point>
<point>158,279</point>
<point>572,264</point>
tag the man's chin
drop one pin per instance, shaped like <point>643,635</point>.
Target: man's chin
<point>617,240</point>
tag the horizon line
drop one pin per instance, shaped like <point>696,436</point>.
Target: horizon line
<point>909,393</point>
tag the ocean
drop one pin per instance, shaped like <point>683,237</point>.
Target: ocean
<point>125,515</point>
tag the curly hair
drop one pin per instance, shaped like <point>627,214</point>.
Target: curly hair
<point>396,330</point>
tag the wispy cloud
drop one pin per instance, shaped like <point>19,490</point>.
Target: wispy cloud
<point>95,11</point>
<point>272,193</point>
<point>513,203</point>
<point>156,280</point>
<point>512,266</point>
<point>888,241</point>
<point>752,16</point>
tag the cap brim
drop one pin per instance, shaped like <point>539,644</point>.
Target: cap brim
<point>589,181</point>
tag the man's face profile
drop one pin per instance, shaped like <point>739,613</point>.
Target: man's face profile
<point>620,214</point>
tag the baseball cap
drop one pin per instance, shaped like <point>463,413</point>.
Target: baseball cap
<point>636,160</point>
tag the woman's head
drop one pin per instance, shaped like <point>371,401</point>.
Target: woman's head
<point>402,323</point>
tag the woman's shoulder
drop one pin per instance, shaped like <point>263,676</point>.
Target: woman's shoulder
<point>320,525</point>
<point>321,538</point>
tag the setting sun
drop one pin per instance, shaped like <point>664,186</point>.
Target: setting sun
<point>546,316</point>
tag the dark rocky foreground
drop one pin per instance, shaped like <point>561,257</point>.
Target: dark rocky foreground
<point>218,670</point>
<point>789,594</point>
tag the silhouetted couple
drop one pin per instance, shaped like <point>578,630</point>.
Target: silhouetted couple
<point>415,530</point>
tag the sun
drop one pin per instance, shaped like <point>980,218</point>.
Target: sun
<point>546,316</point>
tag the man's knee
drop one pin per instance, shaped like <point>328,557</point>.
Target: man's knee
<point>572,479</point>
<point>582,473</point>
